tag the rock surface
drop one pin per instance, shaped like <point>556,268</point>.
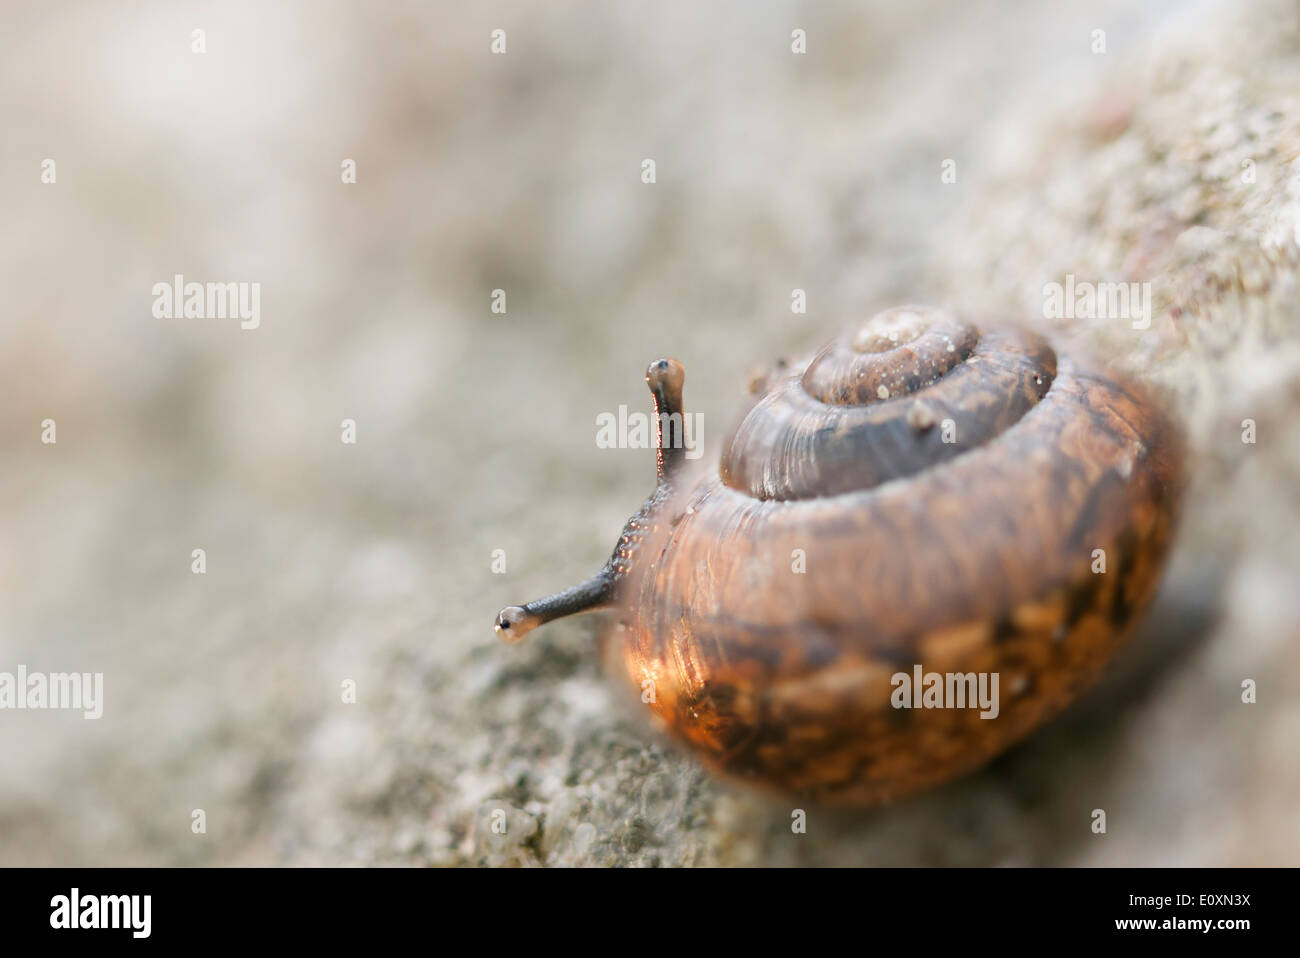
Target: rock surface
<point>371,562</point>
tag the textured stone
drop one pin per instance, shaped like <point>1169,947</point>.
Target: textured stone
<point>371,562</point>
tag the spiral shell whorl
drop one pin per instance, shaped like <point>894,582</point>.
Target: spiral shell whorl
<point>863,411</point>
<point>894,353</point>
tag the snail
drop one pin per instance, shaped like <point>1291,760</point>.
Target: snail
<point>923,496</point>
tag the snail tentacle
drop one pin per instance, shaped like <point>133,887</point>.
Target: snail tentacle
<point>516,621</point>
<point>665,378</point>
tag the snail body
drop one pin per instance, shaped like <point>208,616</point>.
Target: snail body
<point>921,497</point>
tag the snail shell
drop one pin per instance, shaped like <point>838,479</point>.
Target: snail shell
<point>921,493</point>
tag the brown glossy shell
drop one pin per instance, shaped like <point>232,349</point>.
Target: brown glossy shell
<point>974,555</point>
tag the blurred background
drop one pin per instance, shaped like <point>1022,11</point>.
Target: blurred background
<point>371,562</point>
